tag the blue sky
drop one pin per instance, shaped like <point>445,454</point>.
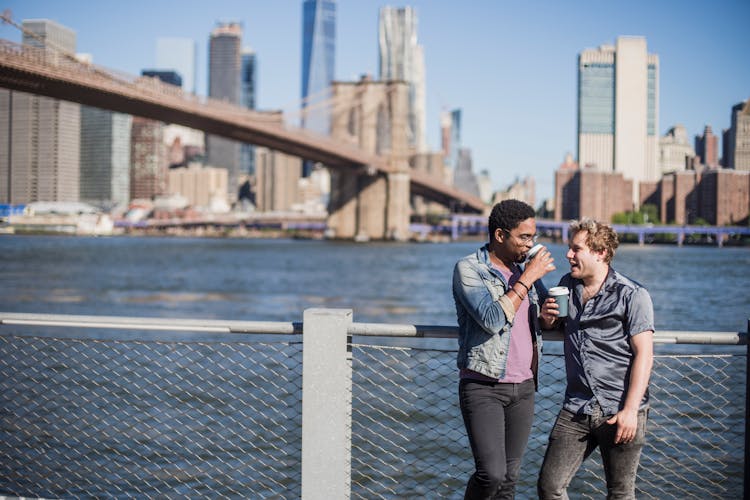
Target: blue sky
<point>509,65</point>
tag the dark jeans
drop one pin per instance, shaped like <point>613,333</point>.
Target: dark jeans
<point>574,438</point>
<point>498,420</point>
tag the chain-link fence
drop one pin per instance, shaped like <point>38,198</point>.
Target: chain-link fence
<point>93,418</point>
<point>134,415</point>
<point>409,440</point>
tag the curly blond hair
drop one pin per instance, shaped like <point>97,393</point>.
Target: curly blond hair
<point>600,236</point>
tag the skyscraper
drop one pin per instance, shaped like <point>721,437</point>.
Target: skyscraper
<point>148,154</point>
<point>179,55</point>
<point>707,147</point>
<point>247,100</point>
<point>165,75</point>
<point>224,67</point>
<point>451,140</point>
<point>39,159</point>
<point>105,156</point>
<point>618,117</point>
<point>402,58</point>
<point>675,152</point>
<point>737,138</point>
<point>318,65</point>
<point>464,178</point>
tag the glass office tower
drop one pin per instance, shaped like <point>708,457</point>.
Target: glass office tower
<point>224,68</point>
<point>247,100</point>
<point>318,61</point>
<point>105,157</point>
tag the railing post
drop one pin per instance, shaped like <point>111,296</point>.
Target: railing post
<point>326,404</point>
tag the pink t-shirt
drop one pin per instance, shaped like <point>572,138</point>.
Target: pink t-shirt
<point>521,349</point>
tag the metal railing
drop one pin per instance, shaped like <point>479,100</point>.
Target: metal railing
<point>106,406</point>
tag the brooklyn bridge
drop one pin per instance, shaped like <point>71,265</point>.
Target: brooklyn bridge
<point>372,180</point>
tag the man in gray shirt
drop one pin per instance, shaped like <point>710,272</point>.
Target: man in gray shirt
<point>608,359</point>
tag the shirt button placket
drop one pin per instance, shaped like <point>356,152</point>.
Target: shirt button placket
<point>590,378</point>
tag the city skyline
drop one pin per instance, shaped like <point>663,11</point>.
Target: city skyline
<point>510,71</point>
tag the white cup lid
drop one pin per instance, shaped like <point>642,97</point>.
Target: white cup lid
<point>534,250</point>
<point>559,290</point>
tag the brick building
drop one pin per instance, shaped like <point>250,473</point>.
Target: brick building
<point>589,192</point>
<point>707,148</point>
<point>148,156</point>
<point>724,197</point>
<point>677,198</point>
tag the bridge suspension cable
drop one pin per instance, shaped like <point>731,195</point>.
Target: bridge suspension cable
<point>320,100</point>
<point>335,104</point>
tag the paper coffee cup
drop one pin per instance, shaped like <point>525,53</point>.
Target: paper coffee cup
<point>534,251</point>
<point>560,294</point>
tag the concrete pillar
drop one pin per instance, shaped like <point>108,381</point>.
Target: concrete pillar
<point>342,205</point>
<point>363,206</point>
<point>397,208</point>
<point>371,207</point>
<point>326,404</point>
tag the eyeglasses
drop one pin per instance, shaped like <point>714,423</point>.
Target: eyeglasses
<point>524,238</point>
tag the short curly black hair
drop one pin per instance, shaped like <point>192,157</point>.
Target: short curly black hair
<point>507,215</point>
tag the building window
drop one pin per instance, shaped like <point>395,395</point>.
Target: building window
<point>596,98</point>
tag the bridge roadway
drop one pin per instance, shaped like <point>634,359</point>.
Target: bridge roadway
<point>32,70</point>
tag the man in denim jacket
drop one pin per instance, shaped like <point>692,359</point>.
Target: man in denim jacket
<point>497,305</point>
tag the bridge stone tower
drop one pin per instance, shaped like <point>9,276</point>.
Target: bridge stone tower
<point>365,204</point>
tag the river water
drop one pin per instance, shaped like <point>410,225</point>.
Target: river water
<point>693,288</point>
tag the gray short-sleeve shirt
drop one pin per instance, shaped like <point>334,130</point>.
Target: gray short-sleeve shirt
<point>598,355</point>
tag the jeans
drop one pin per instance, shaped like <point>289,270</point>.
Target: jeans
<point>498,419</point>
<point>574,437</point>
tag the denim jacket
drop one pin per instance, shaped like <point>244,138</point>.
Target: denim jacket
<point>485,316</point>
